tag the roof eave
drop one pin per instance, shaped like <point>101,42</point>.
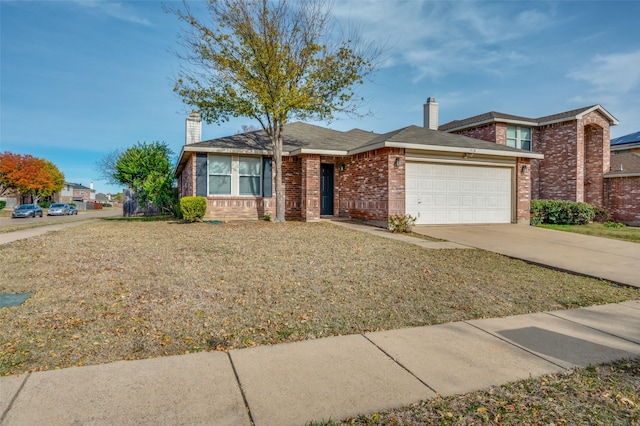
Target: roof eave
<point>443,148</point>
<point>608,175</point>
<point>332,152</point>
<point>625,146</point>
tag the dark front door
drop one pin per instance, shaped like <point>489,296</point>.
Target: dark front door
<point>326,189</point>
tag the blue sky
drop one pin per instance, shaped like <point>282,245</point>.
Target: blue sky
<point>81,78</point>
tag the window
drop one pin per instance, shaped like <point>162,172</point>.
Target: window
<point>519,137</point>
<point>249,176</point>
<point>219,175</point>
<point>234,175</point>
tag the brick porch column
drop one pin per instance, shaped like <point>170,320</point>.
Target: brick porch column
<point>310,208</point>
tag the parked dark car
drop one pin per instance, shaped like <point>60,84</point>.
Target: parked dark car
<point>73,209</point>
<point>58,209</point>
<point>27,210</point>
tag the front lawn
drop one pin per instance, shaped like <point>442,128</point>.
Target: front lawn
<point>113,290</point>
<point>626,233</point>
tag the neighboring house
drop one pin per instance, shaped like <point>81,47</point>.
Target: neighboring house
<point>74,192</point>
<point>437,177</point>
<point>575,145</point>
<point>623,181</point>
<point>579,164</point>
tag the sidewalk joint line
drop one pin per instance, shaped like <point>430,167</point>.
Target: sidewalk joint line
<point>14,398</point>
<point>516,345</point>
<point>400,364</point>
<point>244,397</point>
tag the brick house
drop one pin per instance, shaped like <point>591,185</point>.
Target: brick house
<point>577,164</point>
<point>622,183</point>
<point>74,192</point>
<point>437,177</point>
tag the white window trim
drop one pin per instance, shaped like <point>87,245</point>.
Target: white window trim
<point>235,176</point>
<point>519,137</point>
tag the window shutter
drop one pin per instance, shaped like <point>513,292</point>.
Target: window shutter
<point>201,175</point>
<point>267,177</point>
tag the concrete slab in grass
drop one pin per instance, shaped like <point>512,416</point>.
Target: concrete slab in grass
<point>616,319</point>
<point>457,358</point>
<point>189,389</point>
<point>332,378</point>
<point>560,341</point>
<point>9,387</point>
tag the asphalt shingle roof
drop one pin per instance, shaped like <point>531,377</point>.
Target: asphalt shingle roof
<point>627,163</point>
<point>493,116</point>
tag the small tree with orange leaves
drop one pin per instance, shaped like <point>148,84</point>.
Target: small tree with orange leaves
<point>29,176</point>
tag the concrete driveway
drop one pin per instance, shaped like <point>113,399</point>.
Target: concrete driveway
<point>613,260</point>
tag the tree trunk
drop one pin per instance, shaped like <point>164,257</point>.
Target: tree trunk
<point>277,158</point>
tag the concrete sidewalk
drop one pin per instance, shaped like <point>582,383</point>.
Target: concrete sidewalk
<point>331,378</point>
<point>598,257</point>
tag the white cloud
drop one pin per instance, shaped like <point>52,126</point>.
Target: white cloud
<point>116,10</point>
<point>618,73</point>
<point>436,38</point>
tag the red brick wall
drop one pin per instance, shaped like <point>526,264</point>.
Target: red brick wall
<point>187,178</point>
<point>371,187</point>
<point>292,182</point>
<point>484,133</point>
<point>310,184</point>
<point>523,190</point>
<point>557,172</point>
<point>623,198</point>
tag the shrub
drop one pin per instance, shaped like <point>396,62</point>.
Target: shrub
<point>73,204</point>
<point>106,205</point>
<point>601,215</point>
<point>3,204</point>
<point>193,208</point>
<point>560,212</point>
<point>267,217</point>
<point>613,225</point>
<point>401,223</point>
<point>45,204</point>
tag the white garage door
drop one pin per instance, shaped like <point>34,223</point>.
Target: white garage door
<point>450,194</point>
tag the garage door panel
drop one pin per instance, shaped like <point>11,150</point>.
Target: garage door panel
<point>451,193</point>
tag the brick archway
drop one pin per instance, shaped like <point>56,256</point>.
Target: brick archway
<point>594,147</point>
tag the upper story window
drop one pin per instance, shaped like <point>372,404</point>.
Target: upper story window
<point>519,137</point>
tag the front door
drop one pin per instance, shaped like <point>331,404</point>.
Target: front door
<point>326,189</point>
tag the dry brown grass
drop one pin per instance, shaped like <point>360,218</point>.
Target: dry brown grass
<point>114,290</point>
<point>602,395</point>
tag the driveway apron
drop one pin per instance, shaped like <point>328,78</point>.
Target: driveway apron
<point>598,257</point>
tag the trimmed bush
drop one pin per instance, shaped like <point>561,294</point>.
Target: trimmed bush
<point>106,205</point>
<point>3,204</point>
<point>560,212</point>
<point>193,208</point>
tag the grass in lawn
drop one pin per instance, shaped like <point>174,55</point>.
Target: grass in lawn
<point>602,395</point>
<point>626,233</point>
<point>113,290</point>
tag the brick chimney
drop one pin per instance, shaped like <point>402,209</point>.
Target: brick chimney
<point>431,114</point>
<point>193,128</point>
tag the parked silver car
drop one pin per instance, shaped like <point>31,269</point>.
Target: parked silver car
<point>58,209</point>
<point>73,209</point>
<point>27,210</point>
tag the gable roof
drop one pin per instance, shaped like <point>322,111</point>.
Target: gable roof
<point>498,117</point>
<point>303,138</point>
<point>624,164</point>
